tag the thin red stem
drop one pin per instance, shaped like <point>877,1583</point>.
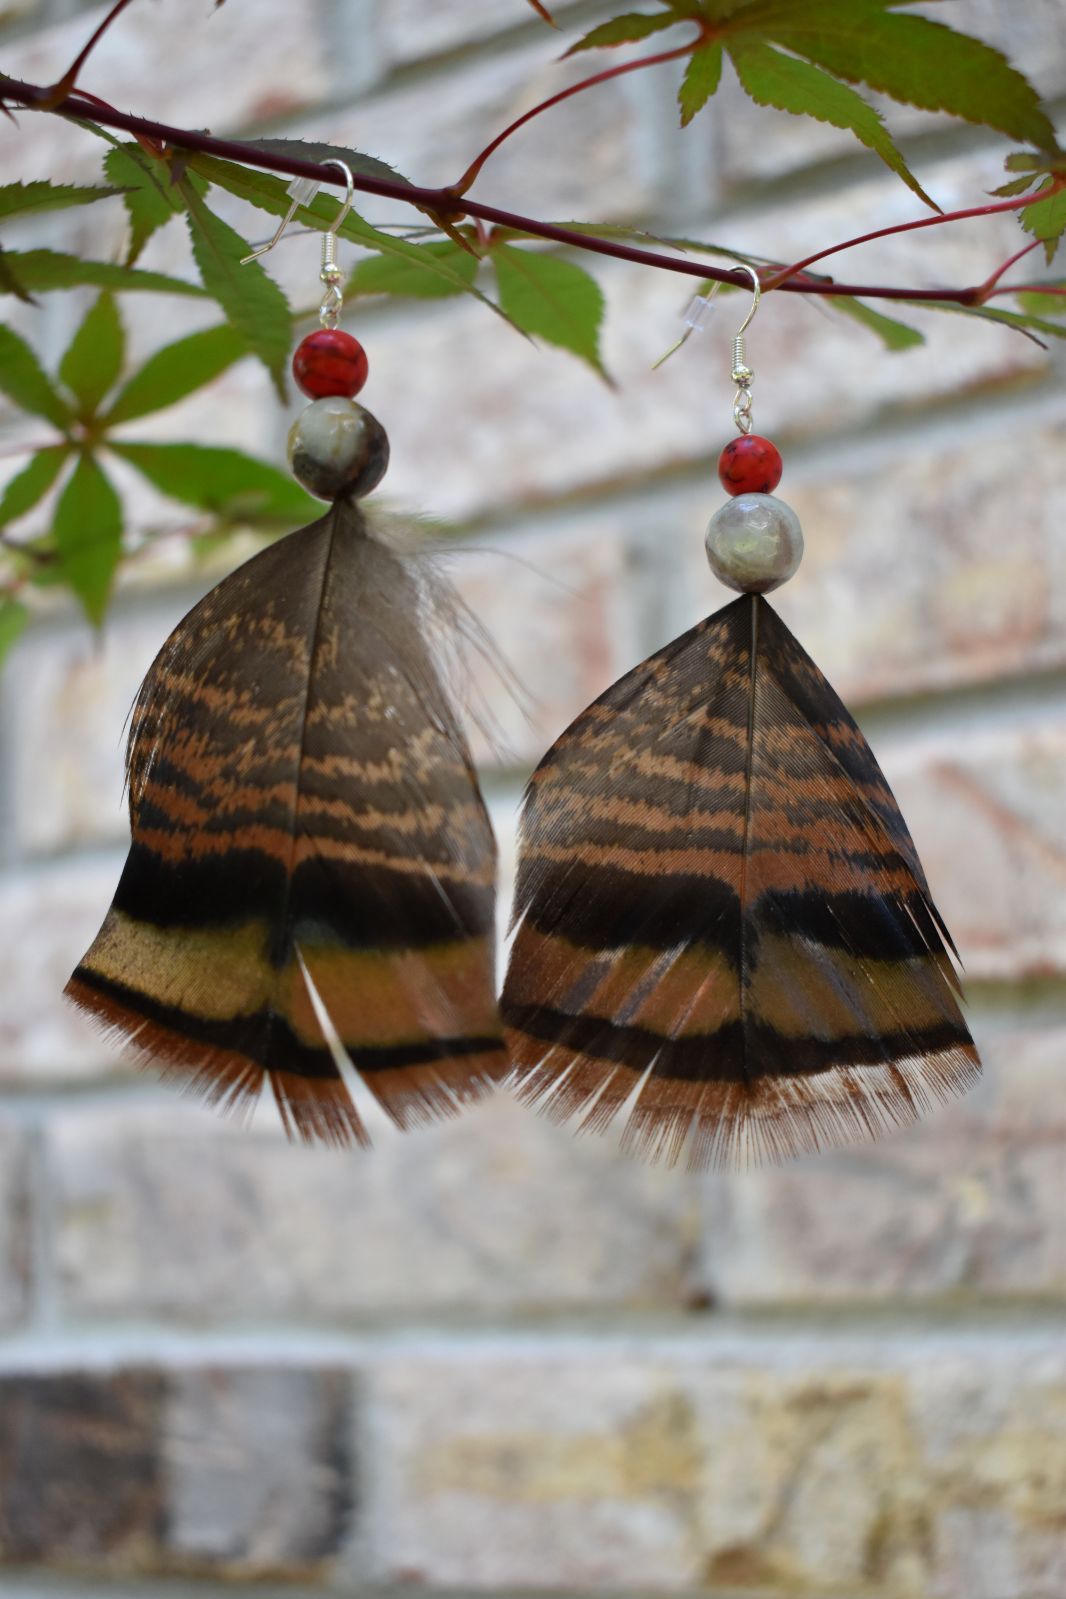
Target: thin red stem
<point>65,84</point>
<point>1029,288</point>
<point>989,284</point>
<point>443,201</point>
<point>780,280</point>
<point>472,171</point>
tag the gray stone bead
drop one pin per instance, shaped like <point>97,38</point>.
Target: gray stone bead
<point>754,543</point>
<point>337,449</point>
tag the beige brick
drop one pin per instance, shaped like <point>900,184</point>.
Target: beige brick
<point>495,1212</point>
<point>556,606</point>
<point>970,1201</point>
<point>765,1463</point>
<point>16,1203</point>
<point>284,68</point>
<point>552,428</point>
<point>560,608</point>
<point>258,1468</point>
<point>985,808</point>
<point>930,563</point>
<point>67,694</point>
<point>48,918</point>
<point>81,1477</point>
<point>612,128</point>
<point>233,1471</point>
<point>414,29</point>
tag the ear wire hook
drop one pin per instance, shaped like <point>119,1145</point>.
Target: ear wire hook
<point>302,191</point>
<point>698,312</point>
<point>741,373</point>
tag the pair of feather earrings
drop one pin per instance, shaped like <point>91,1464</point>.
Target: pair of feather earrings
<point>720,917</point>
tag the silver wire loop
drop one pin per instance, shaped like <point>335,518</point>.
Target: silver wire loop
<point>302,191</point>
<point>742,374</point>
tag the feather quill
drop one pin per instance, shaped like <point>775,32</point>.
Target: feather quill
<point>721,917</point>
<point>305,812</point>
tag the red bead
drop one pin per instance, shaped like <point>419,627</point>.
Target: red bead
<point>330,362</point>
<point>750,465</point>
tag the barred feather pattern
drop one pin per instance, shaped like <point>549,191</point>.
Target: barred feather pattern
<point>721,918</point>
<point>305,816</point>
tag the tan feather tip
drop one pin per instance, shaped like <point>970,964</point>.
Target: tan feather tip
<point>738,1125</point>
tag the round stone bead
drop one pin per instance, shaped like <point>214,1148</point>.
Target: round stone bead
<point>337,450</point>
<point>330,361</point>
<point>750,465</point>
<point>754,543</point>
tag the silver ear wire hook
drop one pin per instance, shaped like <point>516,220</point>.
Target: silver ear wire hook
<point>696,316</point>
<point>741,373</point>
<point>302,191</point>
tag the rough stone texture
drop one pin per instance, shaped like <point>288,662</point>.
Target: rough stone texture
<point>66,698</point>
<point>236,1470</point>
<point>15,1226</point>
<point>413,29</point>
<point>557,614</point>
<point>496,1211</point>
<point>199,87</point>
<point>985,809</point>
<point>605,1436</point>
<point>615,177</point>
<point>970,1201</point>
<point>258,1468</point>
<point>896,1469</point>
<point>81,1477</point>
<point>558,608</point>
<point>927,566</point>
<point>48,918</point>
<point>559,429</point>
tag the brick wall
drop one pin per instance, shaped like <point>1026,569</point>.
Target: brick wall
<point>491,1355</point>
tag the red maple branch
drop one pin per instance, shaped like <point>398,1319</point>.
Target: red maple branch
<point>64,85</point>
<point>780,280</point>
<point>478,162</point>
<point>444,203</point>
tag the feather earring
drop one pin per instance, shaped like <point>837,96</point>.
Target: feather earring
<point>721,918</point>
<point>312,869</point>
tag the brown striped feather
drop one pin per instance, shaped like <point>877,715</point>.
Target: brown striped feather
<point>720,915</point>
<point>304,809</point>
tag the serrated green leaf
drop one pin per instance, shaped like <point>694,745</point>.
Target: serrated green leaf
<point>1045,218</point>
<point>29,487</point>
<point>87,532</point>
<point>94,356</point>
<point>9,282</point>
<point>774,79</point>
<point>44,196</point>
<point>702,76</point>
<point>551,299</point>
<point>224,481</point>
<point>13,619</point>
<point>894,335</point>
<point>251,299</point>
<point>1029,325</point>
<point>360,165</point>
<point>1007,191</point>
<point>1025,161</point>
<point>267,192</point>
<point>23,379</point>
<point>150,199</point>
<point>48,269</point>
<point>176,371</point>
<point>1040,303</point>
<point>626,29</point>
<point>919,62</point>
<point>413,277</point>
